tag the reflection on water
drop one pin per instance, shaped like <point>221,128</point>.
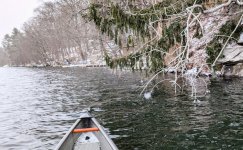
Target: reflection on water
<point>37,106</point>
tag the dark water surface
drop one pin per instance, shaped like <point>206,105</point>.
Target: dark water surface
<point>37,107</point>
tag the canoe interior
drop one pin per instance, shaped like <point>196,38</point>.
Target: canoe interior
<point>68,141</point>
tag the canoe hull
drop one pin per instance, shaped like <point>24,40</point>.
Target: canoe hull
<point>86,121</point>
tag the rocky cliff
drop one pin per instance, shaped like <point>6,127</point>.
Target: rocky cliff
<point>213,42</point>
<point>232,61</point>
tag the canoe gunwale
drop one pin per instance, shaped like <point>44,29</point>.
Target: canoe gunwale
<point>67,134</point>
<point>111,143</point>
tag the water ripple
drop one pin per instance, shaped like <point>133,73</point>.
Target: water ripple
<point>37,107</point>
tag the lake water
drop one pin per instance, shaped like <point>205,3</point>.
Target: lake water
<point>37,107</point>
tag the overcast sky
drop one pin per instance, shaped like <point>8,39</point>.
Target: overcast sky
<point>13,13</point>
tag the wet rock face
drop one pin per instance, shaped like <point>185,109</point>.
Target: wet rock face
<point>233,70</point>
<point>233,61</point>
<point>227,70</point>
<point>232,55</point>
<point>238,70</point>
